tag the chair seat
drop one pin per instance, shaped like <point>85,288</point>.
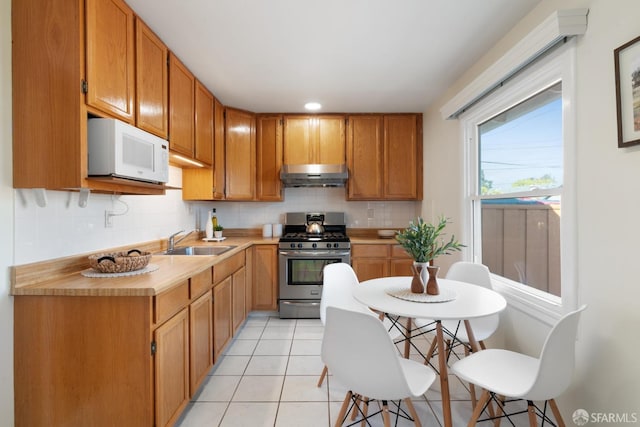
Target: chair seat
<point>419,377</point>
<point>504,372</point>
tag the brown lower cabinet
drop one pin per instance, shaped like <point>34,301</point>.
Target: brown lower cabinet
<point>265,277</point>
<point>112,360</point>
<point>229,305</point>
<point>371,261</point>
<point>132,360</point>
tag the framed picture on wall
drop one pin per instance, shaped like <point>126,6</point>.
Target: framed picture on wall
<point>627,69</point>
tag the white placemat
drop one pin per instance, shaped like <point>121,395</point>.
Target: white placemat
<point>402,292</point>
<point>90,272</point>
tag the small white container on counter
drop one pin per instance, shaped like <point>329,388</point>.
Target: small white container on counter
<point>266,230</point>
<point>277,230</point>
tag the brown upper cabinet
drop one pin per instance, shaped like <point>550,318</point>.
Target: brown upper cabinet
<point>110,58</point>
<point>152,82</point>
<point>384,156</point>
<point>269,157</point>
<point>181,108</point>
<point>204,127</point>
<point>314,139</point>
<point>240,154</point>
<point>208,183</point>
<point>70,60</point>
<point>190,116</point>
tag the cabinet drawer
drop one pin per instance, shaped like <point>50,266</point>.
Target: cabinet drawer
<point>228,267</point>
<point>171,301</point>
<point>398,251</point>
<point>200,283</point>
<point>370,251</point>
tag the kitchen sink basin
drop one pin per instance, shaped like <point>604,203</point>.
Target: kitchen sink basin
<point>199,250</point>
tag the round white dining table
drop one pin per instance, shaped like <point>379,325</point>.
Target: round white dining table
<point>464,301</point>
<point>470,301</point>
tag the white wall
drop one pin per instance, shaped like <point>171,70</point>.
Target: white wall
<point>607,377</point>
<point>6,218</point>
<point>63,228</point>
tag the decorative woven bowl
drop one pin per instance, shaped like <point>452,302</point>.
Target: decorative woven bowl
<point>119,262</point>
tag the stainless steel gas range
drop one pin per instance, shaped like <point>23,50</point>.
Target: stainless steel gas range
<point>310,241</point>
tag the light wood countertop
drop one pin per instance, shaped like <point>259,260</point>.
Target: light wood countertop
<point>62,277</point>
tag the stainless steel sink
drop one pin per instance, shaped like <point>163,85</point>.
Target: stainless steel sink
<point>199,250</point>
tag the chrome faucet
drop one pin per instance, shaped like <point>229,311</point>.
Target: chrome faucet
<point>173,241</point>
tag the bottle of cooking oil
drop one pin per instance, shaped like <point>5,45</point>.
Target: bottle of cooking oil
<point>214,219</point>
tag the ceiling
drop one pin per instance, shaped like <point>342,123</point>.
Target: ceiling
<point>349,55</point>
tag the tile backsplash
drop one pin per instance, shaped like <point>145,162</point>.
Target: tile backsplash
<point>63,228</point>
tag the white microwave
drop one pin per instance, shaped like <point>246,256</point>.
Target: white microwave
<point>120,150</point>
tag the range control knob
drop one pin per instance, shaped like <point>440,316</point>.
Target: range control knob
<point>314,245</point>
<point>336,245</point>
<point>292,245</point>
<point>300,245</point>
<point>328,245</point>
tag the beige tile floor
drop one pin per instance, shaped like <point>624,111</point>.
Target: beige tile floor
<point>268,374</point>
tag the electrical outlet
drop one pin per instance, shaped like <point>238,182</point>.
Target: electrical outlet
<point>370,213</point>
<point>108,219</point>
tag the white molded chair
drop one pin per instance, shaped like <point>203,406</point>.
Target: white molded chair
<point>338,282</point>
<point>362,357</point>
<point>483,327</point>
<point>504,373</point>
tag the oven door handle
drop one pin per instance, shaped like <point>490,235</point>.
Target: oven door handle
<point>302,303</point>
<point>315,254</point>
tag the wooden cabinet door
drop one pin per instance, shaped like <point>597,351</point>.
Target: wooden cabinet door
<point>152,82</point>
<point>240,150</point>
<point>402,157</point>
<point>370,268</point>
<point>330,140</point>
<point>172,368</point>
<point>218,151</point>
<point>239,299</point>
<point>200,339</point>
<point>269,157</point>
<point>314,139</point>
<point>364,157</point>
<point>110,57</point>
<point>221,315</point>
<point>265,277</point>
<point>181,107</point>
<point>297,140</point>
<point>203,124</point>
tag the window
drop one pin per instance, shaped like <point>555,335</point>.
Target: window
<point>520,201</point>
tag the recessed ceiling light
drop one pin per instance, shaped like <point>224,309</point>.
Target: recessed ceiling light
<point>312,106</point>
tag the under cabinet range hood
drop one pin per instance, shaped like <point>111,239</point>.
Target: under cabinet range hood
<point>314,175</point>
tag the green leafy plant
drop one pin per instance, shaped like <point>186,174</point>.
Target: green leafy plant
<point>424,241</point>
<point>218,228</point>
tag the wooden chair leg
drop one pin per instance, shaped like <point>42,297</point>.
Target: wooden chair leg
<point>430,352</point>
<point>533,422</point>
<point>354,410</point>
<point>472,387</point>
<point>365,411</point>
<point>412,411</point>
<point>484,398</point>
<point>385,414</point>
<point>556,413</point>
<point>343,409</point>
<point>500,405</point>
<point>322,375</point>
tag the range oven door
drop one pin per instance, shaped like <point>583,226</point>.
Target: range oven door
<point>300,280</point>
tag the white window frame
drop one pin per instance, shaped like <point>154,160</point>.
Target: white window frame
<point>557,65</point>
